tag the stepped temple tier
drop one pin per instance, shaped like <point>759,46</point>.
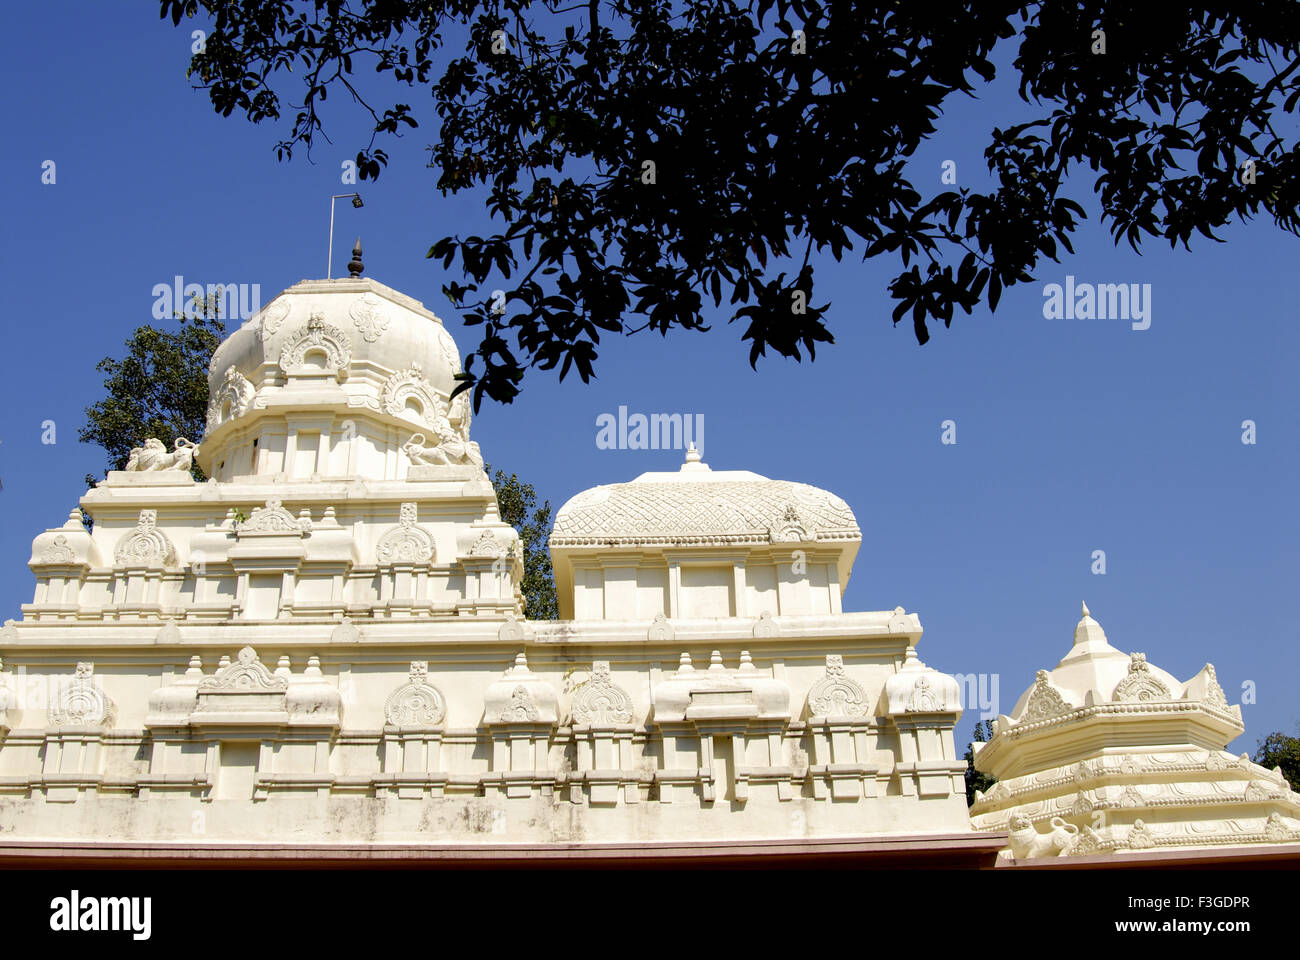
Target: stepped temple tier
<point>1107,754</point>
<point>320,652</point>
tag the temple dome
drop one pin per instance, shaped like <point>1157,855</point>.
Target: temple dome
<point>1093,672</point>
<point>697,505</point>
<point>384,350</point>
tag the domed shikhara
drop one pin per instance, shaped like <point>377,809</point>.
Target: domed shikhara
<point>1107,753</point>
<point>374,368</point>
<point>704,543</point>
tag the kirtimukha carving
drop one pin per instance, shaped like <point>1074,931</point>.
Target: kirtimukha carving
<point>273,518</point>
<point>316,337</point>
<point>1139,685</point>
<point>233,398</point>
<point>417,703</point>
<point>145,546</point>
<point>59,551</point>
<point>273,316</point>
<point>408,543</point>
<point>836,695</point>
<point>1044,702</point>
<point>408,392</point>
<point>80,702</point>
<point>600,701</point>
<point>153,457</point>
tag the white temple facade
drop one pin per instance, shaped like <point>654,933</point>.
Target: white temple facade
<point>1107,754</point>
<point>324,642</point>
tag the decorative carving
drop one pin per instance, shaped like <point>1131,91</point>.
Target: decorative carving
<point>661,631</point>
<point>408,389</point>
<point>791,528</point>
<point>80,702</point>
<point>1259,790</point>
<point>449,448</point>
<point>59,551</point>
<point>1214,694</point>
<point>487,545</point>
<point>1141,837</point>
<point>836,695</point>
<point>233,398</point>
<point>316,336</point>
<point>407,543</point>
<point>600,701</point>
<point>153,457</point>
<point>447,346</point>
<point>417,703</point>
<point>273,518</point>
<point>247,673</point>
<point>370,316</point>
<point>1140,685</point>
<point>1131,797</point>
<point>512,631</point>
<point>1027,843</point>
<point>1275,829</point>
<point>766,626</point>
<point>926,697</point>
<point>1045,701</point>
<point>145,546</point>
<point>273,316</point>
<point>520,708</point>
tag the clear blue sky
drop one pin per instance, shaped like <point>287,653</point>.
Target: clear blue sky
<point>1073,435</point>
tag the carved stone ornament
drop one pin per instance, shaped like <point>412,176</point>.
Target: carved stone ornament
<point>1140,685</point>
<point>487,545</point>
<point>791,528</point>
<point>59,551</point>
<point>79,701</point>
<point>370,315</point>
<point>407,543</point>
<point>273,316</point>
<point>273,518</point>
<point>152,457</point>
<point>145,546</point>
<point>408,394</point>
<point>1214,694</point>
<point>316,336</point>
<point>512,631</point>
<point>417,703</point>
<point>449,447</point>
<point>233,398</point>
<point>661,631</point>
<point>836,695</point>
<point>247,674</point>
<point>1045,701</point>
<point>600,701</point>
<point>1141,837</point>
<point>1027,843</point>
<point>520,708</point>
<point>766,627</point>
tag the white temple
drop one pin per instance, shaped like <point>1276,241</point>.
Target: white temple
<point>1107,754</point>
<point>323,643</point>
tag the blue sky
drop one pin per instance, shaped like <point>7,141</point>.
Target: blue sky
<point>1072,435</point>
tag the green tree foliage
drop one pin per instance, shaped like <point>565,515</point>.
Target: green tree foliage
<point>975,780</point>
<point>518,504</point>
<point>1279,750</point>
<point>648,160</point>
<point>159,389</point>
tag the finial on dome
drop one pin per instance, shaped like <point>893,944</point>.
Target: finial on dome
<point>1085,609</point>
<point>692,455</point>
<point>355,266</point>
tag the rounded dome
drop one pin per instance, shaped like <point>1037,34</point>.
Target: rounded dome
<point>699,505</point>
<point>391,353</point>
